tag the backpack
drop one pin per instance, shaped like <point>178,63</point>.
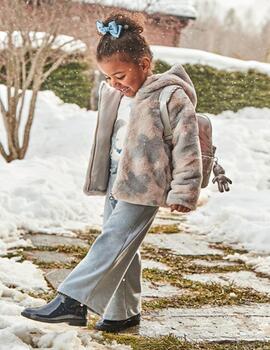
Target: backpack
<point>209,161</point>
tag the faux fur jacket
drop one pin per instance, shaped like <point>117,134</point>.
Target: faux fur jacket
<point>150,171</point>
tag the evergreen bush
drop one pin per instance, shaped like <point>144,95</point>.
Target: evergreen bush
<point>219,90</point>
<point>71,82</point>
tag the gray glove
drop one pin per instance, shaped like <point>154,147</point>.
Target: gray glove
<point>220,178</point>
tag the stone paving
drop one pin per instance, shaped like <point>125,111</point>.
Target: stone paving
<point>49,256</point>
<point>248,322</point>
<point>50,240</point>
<point>182,244</point>
<point>207,322</point>
<point>245,279</point>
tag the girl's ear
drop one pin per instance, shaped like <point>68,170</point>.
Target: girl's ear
<point>145,63</point>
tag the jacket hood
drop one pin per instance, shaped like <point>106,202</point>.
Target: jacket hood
<point>176,75</point>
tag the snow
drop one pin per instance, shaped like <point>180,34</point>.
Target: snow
<point>63,42</point>
<point>242,214</point>
<point>46,188</point>
<point>181,8</point>
<point>22,275</point>
<point>174,55</point>
<point>28,335</point>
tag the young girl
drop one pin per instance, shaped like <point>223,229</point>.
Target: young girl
<point>138,172</point>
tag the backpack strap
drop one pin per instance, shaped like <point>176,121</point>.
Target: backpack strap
<point>164,98</point>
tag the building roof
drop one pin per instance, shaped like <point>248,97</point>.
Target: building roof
<point>179,8</point>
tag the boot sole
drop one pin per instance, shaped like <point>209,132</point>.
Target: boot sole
<point>70,321</point>
<point>116,329</point>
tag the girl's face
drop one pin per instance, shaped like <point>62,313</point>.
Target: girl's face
<point>126,77</point>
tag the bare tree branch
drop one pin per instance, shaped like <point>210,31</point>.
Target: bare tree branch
<point>26,61</point>
<point>55,65</point>
<point>3,152</point>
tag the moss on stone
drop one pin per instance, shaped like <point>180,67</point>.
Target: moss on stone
<point>56,264</point>
<point>78,253</point>
<point>228,250</point>
<point>198,294</point>
<point>165,229</point>
<point>88,234</point>
<point>75,250</point>
<point>184,264</point>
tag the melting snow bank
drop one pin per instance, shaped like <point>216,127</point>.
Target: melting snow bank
<point>24,336</point>
<point>243,214</point>
<point>174,55</point>
<point>44,192</point>
<point>17,332</point>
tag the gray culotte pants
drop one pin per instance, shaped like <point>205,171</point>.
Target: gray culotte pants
<point>108,279</point>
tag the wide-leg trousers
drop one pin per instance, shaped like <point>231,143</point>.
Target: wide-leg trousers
<point>108,279</point>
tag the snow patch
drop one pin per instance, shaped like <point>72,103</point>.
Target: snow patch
<point>173,55</point>
<point>181,8</point>
<point>63,42</point>
<point>241,215</point>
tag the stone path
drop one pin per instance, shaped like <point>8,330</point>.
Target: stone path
<point>248,322</point>
<point>182,244</point>
<point>198,265</point>
<point>245,279</point>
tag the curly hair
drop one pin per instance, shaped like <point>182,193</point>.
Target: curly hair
<point>131,45</point>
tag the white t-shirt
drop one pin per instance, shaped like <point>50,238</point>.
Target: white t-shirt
<point>120,129</point>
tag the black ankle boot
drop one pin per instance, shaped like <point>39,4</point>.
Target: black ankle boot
<point>61,309</point>
<point>117,326</point>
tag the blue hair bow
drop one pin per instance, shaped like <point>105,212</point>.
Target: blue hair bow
<point>113,28</point>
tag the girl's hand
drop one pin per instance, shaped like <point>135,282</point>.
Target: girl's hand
<point>180,208</point>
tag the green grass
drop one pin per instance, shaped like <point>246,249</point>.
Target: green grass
<point>184,264</point>
<point>165,229</point>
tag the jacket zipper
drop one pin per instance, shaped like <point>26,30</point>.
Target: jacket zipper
<point>95,137</point>
<point>111,197</point>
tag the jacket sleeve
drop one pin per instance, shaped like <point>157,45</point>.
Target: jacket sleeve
<point>186,152</point>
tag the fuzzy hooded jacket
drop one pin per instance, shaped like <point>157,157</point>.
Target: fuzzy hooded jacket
<point>150,171</point>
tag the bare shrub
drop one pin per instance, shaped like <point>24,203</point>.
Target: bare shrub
<point>27,58</point>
